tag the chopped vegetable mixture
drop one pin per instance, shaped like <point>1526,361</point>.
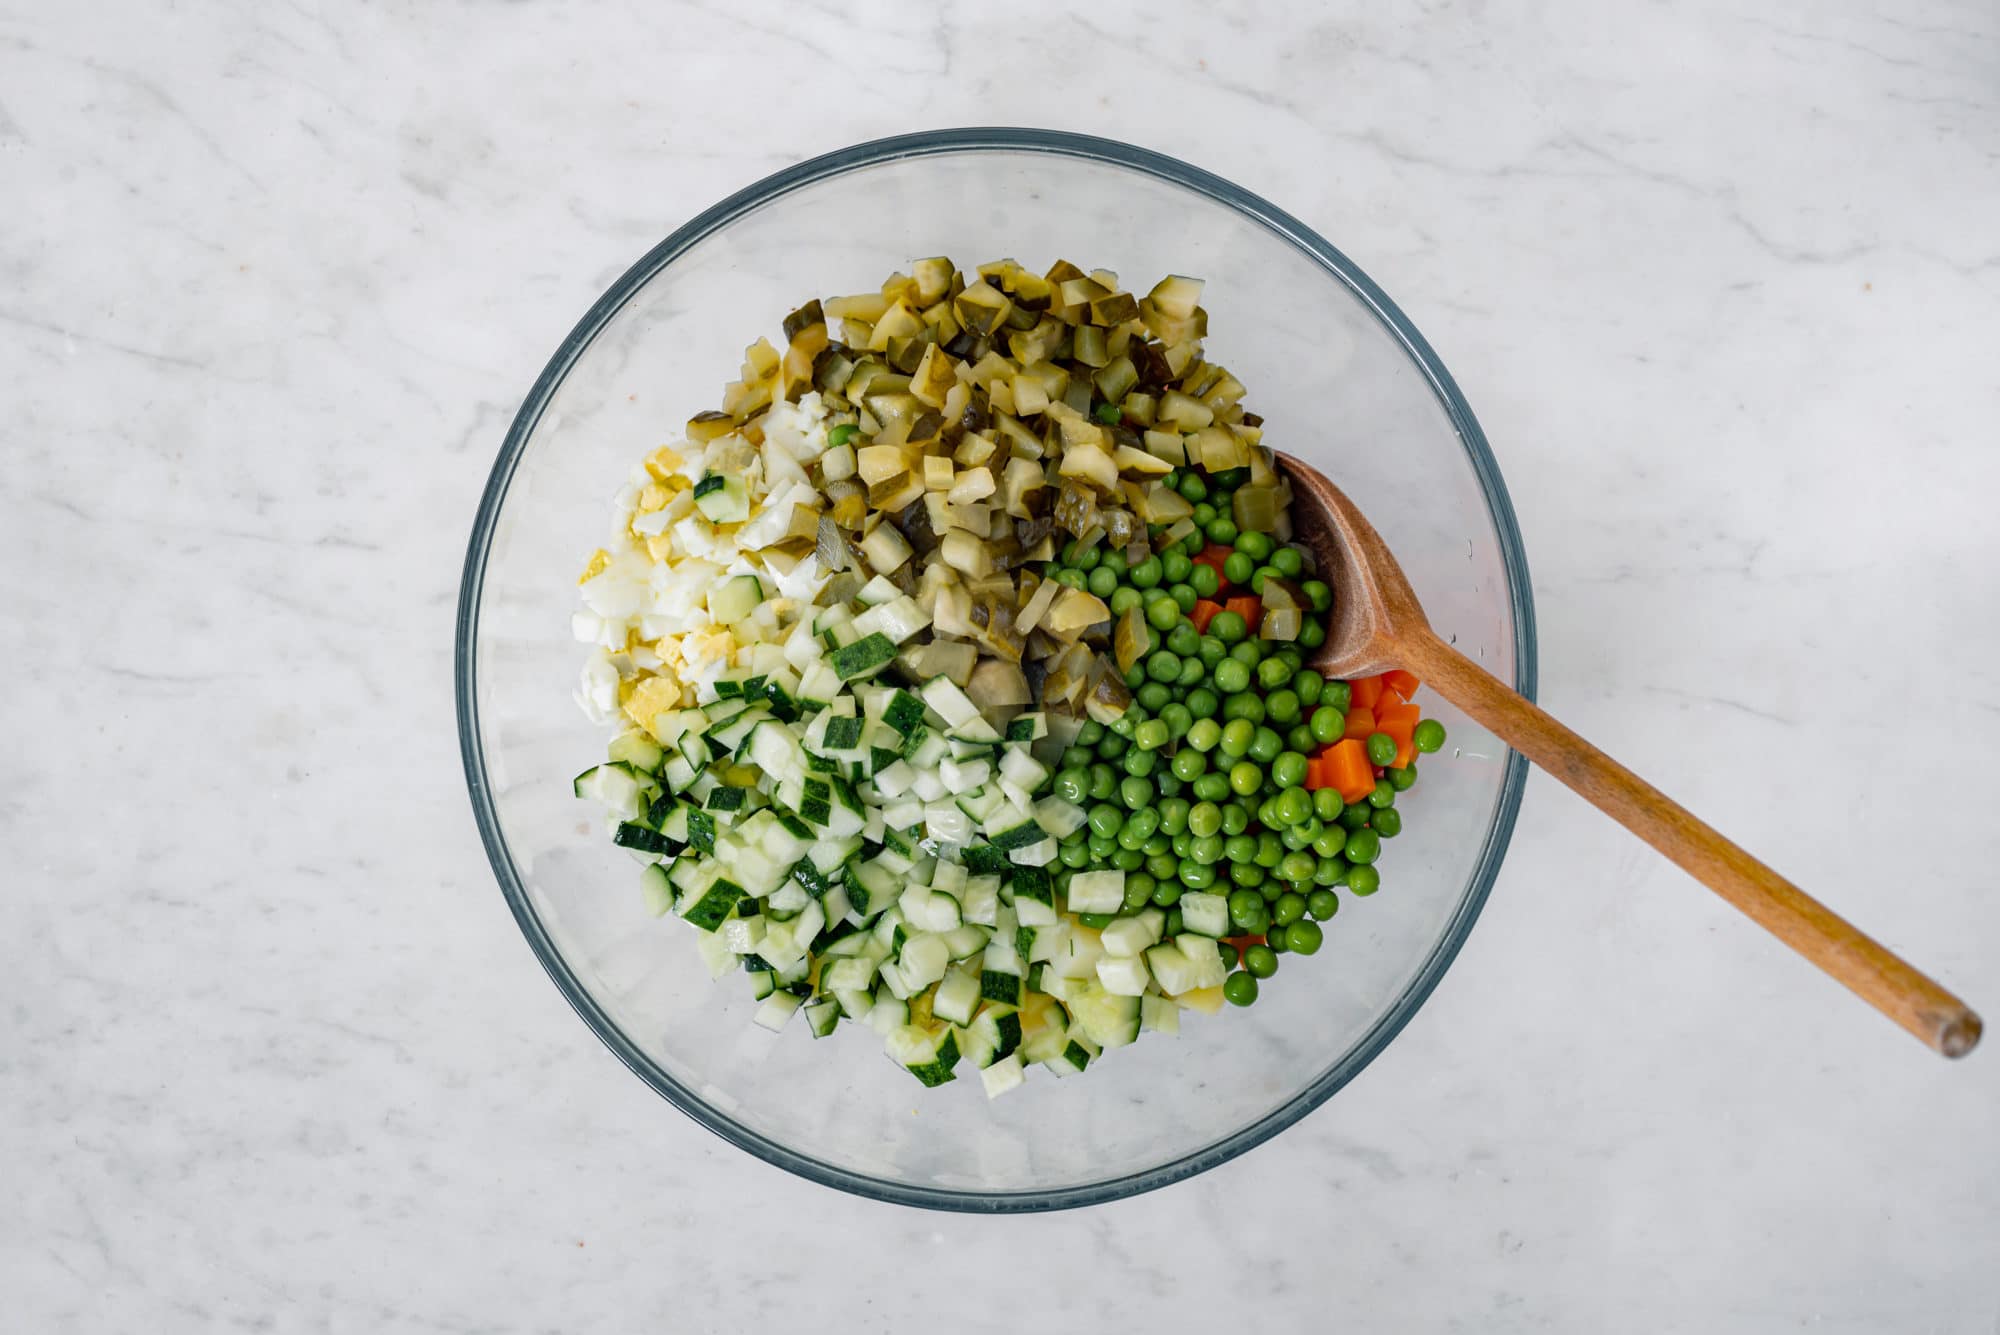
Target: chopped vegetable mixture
<point>957,662</point>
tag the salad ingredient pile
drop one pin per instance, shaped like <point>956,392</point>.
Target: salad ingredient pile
<point>957,665</point>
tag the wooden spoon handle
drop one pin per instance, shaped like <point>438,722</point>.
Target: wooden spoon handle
<point>1872,972</point>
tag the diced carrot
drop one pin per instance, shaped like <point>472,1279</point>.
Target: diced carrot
<point>1352,774</point>
<point>1400,722</point>
<point>1316,775</point>
<point>1213,556</point>
<point>1366,692</point>
<point>1403,683</point>
<point>1406,751</point>
<point>1247,608</point>
<point>1204,612</point>
<point>1360,722</point>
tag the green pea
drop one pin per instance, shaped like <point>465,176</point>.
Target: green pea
<point>1259,962</point>
<point>1237,735</point>
<point>1304,937</point>
<point>1265,744</point>
<point>1098,920</point>
<point>1300,739</point>
<point>1165,867</point>
<point>1327,804</point>
<point>1405,778</point>
<point>1291,906</point>
<point>1174,814</point>
<point>1244,908</point>
<point>1330,840</point>
<point>1254,545</point>
<point>1313,634</point>
<point>1178,718</point>
<point>1267,814</point>
<point>1205,582</point>
<point>1240,988</point>
<point>1204,820</point>
<point>1246,874</point>
<point>1231,676</point>
<point>1127,859</point>
<point>1429,736</point>
<point>1103,781</point>
<point>1229,627</point>
<point>1102,847</point>
<point>1156,844</point>
<point>1184,639</point>
<point>1162,613</point>
<point>1237,568</point>
<point>1383,794</point>
<point>1388,824</point>
<point>1114,561</point>
<point>1102,582</point>
<point>1249,653</point>
<point>1257,578</point>
<point>1174,924</point>
<point>1184,598</point>
<point>1192,673</point>
<point>1163,665</point>
<point>1175,567</point>
<point>1106,821</point>
<point>1282,707</point>
<point>1203,512</point>
<point>1212,652</point>
<point>1239,848</point>
<point>1210,787</point>
<point>1085,560</point>
<point>1204,735</point>
<point>1135,793</point>
<point>1328,724</point>
<point>1308,684</point>
<point>1112,745</point>
<point>1207,850</point>
<point>1273,673</point>
<point>1318,594</point>
<point>1154,696</point>
<point>1192,487</point>
<point>1269,851</point>
<point>1363,846</point>
<point>1140,763</point>
<point>1073,785</point>
<point>1330,872</point>
<point>1364,880</point>
<point>1243,705</point>
<point>1182,842</point>
<point>1189,764</point>
<point>1221,529</point>
<point>1295,839</point>
<point>1289,562</point>
<point>1235,819</point>
<point>1355,815</point>
<point>1147,573</point>
<point>1294,807</point>
<point>1337,696</point>
<point>1196,875</point>
<point>1202,702</point>
<point>1152,735</point>
<point>1074,579</point>
<point>1075,854</point>
<point>1245,778</point>
<point>1089,733</point>
<point>1130,838</point>
<point>1297,867</point>
<point>1381,748</point>
<point>1124,600</point>
<point>1322,904</point>
<point>1135,676</point>
<point>1289,771</point>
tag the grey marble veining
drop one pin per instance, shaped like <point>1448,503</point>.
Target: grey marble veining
<point>1723,285</point>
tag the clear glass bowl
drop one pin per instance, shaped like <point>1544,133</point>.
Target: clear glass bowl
<point>1342,380</point>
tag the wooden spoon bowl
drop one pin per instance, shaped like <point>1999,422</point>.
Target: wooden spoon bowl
<point>1377,624</point>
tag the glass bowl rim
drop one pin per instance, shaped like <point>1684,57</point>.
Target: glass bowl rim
<point>929,144</point>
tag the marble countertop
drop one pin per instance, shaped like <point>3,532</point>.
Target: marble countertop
<point>1722,284</point>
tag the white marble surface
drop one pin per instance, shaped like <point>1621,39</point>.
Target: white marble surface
<point>1723,285</point>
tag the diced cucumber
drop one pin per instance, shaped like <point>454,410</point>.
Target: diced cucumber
<point>927,1054</point>
<point>778,1008</point>
<point>1110,1019</point>
<point>1003,1075</point>
<point>1205,914</point>
<point>1101,892</point>
<point>1031,727</point>
<point>636,749</point>
<point>733,601</point>
<point>657,889</point>
<point>956,997</point>
<point>1159,1015</point>
<point>822,1017</point>
<point>863,658</point>
<point>723,500</point>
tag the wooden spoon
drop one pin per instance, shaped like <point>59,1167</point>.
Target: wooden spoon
<point>1377,624</point>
